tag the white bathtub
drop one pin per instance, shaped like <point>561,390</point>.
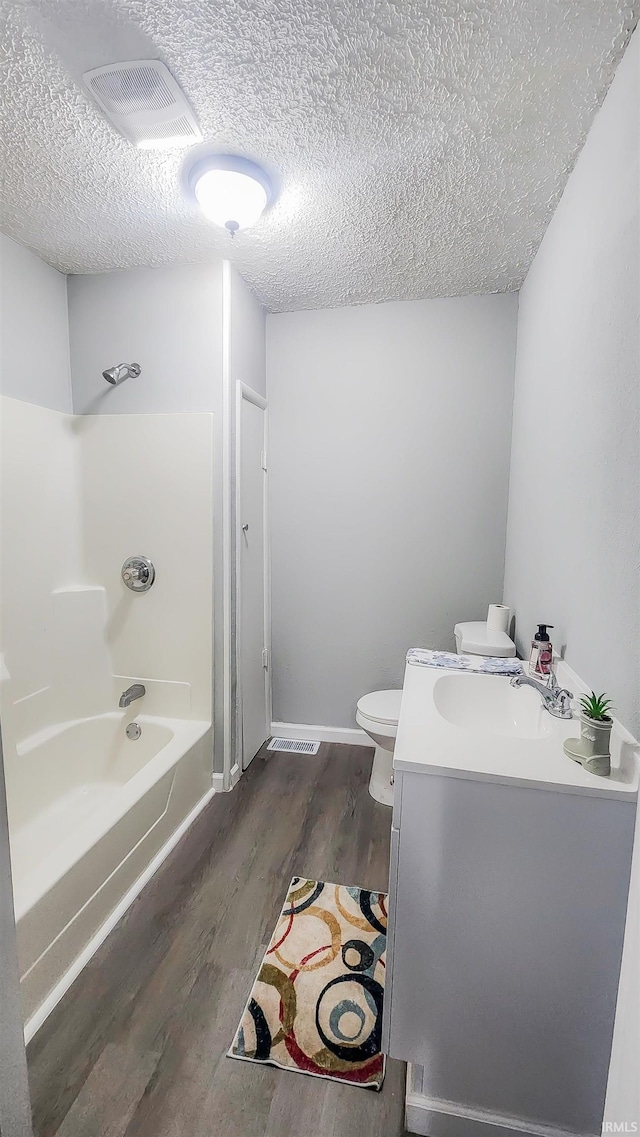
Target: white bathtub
<point>90,812</point>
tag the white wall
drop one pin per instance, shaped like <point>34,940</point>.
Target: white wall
<point>573,540</point>
<point>78,495</point>
<point>155,498</point>
<point>34,334</point>
<point>389,452</point>
<point>166,319</point>
<point>40,535</point>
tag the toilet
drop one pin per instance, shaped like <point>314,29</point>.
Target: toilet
<point>378,712</point>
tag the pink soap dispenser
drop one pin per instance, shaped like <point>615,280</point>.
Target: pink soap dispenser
<point>541,658</point>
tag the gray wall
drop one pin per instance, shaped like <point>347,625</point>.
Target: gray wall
<point>167,319</point>
<point>573,545</point>
<point>34,333</point>
<point>389,453</point>
<point>623,1089</point>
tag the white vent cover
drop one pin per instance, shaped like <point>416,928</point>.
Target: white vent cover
<point>143,101</point>
<point>294,745</point>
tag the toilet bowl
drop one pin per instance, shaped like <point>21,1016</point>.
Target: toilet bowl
<point>378,712</point>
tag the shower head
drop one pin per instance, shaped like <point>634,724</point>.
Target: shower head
<point>115,375</point>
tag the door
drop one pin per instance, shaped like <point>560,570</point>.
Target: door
<point>251,573</point>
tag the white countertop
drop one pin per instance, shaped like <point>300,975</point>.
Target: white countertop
<point>428,742</point>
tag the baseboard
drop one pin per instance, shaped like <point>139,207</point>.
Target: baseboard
<point>53,998</point>
<point>351,736</point>
<point>218,779</point>
<point>430,1117</point>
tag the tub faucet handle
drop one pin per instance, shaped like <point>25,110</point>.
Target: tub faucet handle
<point>138,573</point>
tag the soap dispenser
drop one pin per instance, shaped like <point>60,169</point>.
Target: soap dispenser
<point>541,658</point>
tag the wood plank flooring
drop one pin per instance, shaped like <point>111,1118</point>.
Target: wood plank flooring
<point>137,1046</point>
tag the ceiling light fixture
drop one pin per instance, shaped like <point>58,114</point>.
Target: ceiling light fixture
<point>231,191</point>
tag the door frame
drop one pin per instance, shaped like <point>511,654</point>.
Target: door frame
<point>251,396</point>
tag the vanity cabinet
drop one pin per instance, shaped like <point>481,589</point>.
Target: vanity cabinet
<point>506,924</point>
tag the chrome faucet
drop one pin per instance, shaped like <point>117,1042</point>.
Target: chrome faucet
<point>556,700</point>
<point>135,691</point>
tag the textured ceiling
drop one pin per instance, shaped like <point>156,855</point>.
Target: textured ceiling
<point>420,145</point>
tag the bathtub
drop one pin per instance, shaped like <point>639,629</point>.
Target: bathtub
<point>91,815</point>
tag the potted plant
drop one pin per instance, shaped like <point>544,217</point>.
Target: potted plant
<point>592,748</point>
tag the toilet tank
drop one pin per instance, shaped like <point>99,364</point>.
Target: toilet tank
<point>474,638</point>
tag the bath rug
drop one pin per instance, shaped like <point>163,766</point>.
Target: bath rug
<point>316,1005</point>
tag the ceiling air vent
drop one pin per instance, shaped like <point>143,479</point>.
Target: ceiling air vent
<point>145,104</point>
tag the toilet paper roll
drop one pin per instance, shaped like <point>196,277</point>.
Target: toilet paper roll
<point>498,618</point>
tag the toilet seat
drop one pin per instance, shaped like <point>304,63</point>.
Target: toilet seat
<point>381,707</point>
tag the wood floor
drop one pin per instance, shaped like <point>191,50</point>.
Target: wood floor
<point>137,1046</point>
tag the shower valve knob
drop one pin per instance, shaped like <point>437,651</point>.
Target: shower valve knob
<point>138,573</point>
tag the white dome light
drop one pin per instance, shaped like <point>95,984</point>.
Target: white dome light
<point>230,199</point>
<point>231,191</point>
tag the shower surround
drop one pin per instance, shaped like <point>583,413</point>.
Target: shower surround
<point>91,811</point>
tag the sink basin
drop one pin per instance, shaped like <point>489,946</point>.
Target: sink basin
<point>466,724</point>
<point>488,704</point>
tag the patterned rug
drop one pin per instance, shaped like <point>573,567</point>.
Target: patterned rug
<point>316,1005</point>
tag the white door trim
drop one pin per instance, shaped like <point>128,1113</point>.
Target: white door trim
<point>251,396</point>
<point>226,538</point>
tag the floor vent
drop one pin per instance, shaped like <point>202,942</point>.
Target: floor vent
<point>294,745</point>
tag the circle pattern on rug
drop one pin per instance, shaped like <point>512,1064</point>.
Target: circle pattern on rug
<point>357,956</point>
<point>353,993</point>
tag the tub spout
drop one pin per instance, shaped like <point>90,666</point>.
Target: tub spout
<point>135,691</point>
